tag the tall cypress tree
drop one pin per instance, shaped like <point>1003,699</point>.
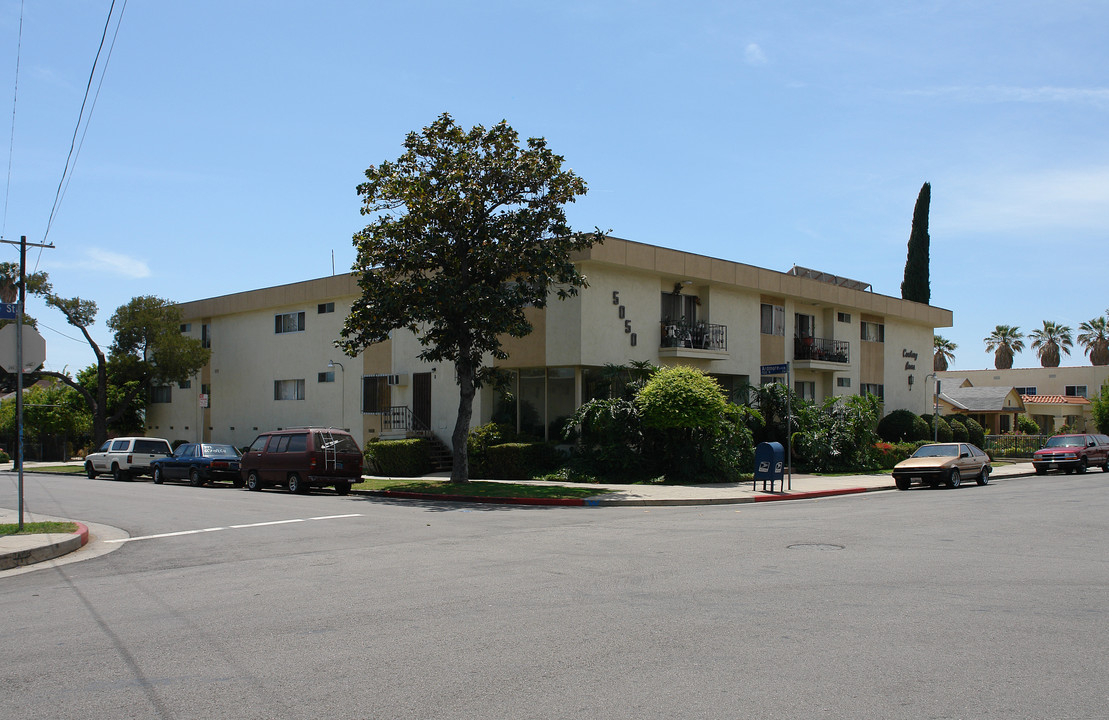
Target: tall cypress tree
<point>915,285</point>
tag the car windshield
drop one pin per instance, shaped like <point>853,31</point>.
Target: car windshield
<point>1070,441</point>
<point>220,451</point>
<point>937,451</point>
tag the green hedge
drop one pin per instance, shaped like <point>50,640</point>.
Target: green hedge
<point>520,461</point>
<point>399,458</point>
<point>889,454</point>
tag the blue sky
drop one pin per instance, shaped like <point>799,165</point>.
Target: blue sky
<point>227,138</point>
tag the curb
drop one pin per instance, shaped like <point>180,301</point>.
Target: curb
<point>616,502</point>
<point>49,551</point>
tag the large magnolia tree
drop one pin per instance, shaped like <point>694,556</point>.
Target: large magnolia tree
<point>468,230</point>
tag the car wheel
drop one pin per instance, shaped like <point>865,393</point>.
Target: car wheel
<point>953,480</point>
<point>194,478</point>
<point>1105,467</point>
<point>89,471</point>
<point>984,476</point>
<point>118,473</point>
<point>252,481</point>
<point>158,476</point>
<point>342,488</point>
<point>296,485</point>
<point>1083,465</point>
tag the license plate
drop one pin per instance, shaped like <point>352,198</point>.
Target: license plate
<point>914,479</point>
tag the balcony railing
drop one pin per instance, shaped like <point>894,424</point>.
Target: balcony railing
<point>700,336</point>
<point>810,348</point>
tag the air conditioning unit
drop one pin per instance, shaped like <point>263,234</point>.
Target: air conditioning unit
<point>400,380</point>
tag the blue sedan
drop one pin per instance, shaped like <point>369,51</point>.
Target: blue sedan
<point>199,463</point>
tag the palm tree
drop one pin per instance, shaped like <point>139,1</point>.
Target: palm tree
<point>1003,342</point>
<point>1095,338</point>
<point>943,351</point>
<point>1049,341</point>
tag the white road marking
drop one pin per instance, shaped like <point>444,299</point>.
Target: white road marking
<point>230,527</point>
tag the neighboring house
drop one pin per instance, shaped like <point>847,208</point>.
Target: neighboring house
<point>274,364</point>
<point>994,408</point>
<point>1052,397</point>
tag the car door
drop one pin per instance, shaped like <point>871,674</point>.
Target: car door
<point>179,464</point>
<point>968,464</point>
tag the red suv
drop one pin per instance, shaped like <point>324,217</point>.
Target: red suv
<point>1070,453</point>
<point>302,458</point>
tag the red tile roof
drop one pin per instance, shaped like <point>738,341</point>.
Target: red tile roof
<point>1054,399</point>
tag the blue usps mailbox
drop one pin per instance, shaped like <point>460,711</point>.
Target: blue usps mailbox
<point>769,462</point>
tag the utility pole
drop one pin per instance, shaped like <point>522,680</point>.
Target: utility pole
<point>19,358</point>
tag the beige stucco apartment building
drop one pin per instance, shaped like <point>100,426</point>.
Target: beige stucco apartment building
<point>274,363</point>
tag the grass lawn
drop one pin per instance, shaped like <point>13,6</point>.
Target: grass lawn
<point>57,469</point>
<point>479,488</point>
<point>37,528</point>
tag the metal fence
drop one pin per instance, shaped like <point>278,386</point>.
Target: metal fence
<point>1020,446</point>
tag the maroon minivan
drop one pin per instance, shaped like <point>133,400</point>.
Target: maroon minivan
<point>302,458</point>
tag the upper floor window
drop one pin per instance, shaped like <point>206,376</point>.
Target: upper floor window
<point>872,331</point>
<point>328,376</point>
<point>804,325</point>
<point>1028,390</point>
<point>186,327</point>
<point>160,394</point>
<point>206,335</point>
<point>325,308</point>
<point>185,385</point>
<point>288,322</point>
<point>843,317</point>
<point>678,308</point>
<point>772,319</point>
<point>1075,391</point>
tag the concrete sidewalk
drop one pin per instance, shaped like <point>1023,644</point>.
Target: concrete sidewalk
<point>21,550</point>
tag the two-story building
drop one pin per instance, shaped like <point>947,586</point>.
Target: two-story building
<point>274,363</point>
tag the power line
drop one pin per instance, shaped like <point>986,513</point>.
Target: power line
<point>74,148</point>
<point>11,143</point>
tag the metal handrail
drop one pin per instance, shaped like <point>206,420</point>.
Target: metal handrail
<point>700,336</point>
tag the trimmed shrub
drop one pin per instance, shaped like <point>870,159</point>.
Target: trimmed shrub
<point>902,426</point>
<point>399,458</point>
<point>480,440</point>
<point>976,432</point>
<point>1028,426</point>
<point>959,431</point>
<point>889,454</point>
<point>520,461</point>
<point>4,457</point>
<point>944,435</point>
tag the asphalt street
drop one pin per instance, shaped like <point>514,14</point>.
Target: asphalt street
<point>980,602</point>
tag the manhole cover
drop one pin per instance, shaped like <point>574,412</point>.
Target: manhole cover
<point>814,546</point>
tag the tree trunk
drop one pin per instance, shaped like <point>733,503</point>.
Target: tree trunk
<point>939,362</point>
<point>460,471</point>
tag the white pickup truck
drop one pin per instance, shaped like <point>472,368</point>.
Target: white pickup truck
<point>125,457</point>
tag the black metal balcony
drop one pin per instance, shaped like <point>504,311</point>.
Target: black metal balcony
<point>822,349</point>
<point>698,336</point>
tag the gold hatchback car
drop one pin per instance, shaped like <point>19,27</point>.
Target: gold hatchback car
<point>943,462</point>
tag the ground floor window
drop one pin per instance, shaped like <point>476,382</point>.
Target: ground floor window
<point>288,389</point>
<point>805,389</point>
<point>875,389</point>
<point>375,394</point>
